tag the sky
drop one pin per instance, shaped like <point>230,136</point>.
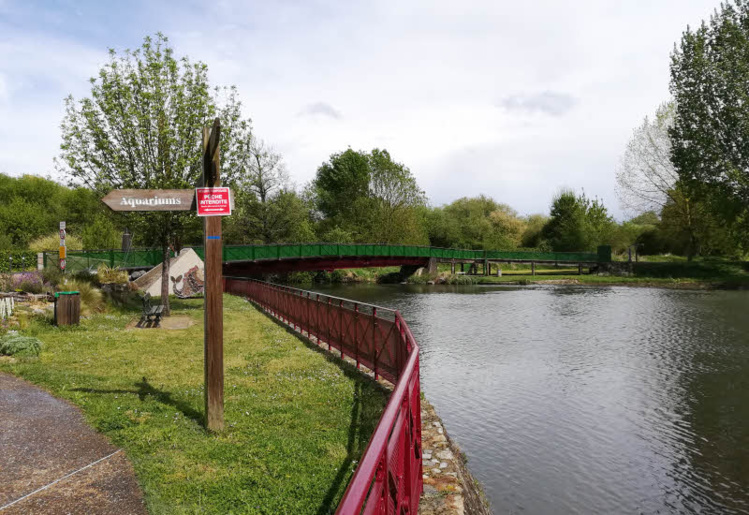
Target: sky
<point>514,100</point>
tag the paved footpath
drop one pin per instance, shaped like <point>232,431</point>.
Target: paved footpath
<point>51,462</point>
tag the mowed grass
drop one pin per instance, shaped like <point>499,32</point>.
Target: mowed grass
<point>296,421</point>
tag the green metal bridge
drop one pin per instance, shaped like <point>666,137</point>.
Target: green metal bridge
<point>241,260</point>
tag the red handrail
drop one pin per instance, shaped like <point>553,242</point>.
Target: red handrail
<point>388,478</point>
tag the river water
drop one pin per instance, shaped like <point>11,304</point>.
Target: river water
<point>570,399</point>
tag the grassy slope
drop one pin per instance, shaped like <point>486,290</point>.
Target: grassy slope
<point>296,422</point>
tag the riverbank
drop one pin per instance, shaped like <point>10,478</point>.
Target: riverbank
<point>679,275</point>
<point>595,280</point>
<point>296,420</point>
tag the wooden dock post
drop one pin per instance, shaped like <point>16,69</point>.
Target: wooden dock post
<point>579,269</point>
<point>533,268</point>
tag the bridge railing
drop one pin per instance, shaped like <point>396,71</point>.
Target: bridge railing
<point>77,260</point>
<point>388,479</point>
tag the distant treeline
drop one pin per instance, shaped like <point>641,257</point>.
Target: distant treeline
<point>355,197</point>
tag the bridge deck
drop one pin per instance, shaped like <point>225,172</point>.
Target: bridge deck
<point>324,256</point>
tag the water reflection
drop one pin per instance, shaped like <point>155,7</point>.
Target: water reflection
<point>589,400</point>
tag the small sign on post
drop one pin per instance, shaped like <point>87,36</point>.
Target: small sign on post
<point>63,248</point>
<point>213,201</point>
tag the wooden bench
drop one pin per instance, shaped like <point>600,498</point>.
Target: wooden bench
<point>151,313</point>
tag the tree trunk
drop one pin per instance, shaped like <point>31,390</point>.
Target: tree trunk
<point>165,278</point>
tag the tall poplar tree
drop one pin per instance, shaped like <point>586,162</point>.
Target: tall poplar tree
<point>710,86</point>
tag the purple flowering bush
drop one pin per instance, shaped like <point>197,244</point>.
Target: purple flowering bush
<point>30,282</point>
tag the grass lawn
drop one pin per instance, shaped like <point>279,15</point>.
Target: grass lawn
<point>296,422</point>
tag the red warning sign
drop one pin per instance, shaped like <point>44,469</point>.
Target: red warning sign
<point>213,201</point>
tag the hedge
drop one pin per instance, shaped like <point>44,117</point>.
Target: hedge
<point>20,258</point>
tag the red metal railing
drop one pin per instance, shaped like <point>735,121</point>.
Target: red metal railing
<point>388,479</point>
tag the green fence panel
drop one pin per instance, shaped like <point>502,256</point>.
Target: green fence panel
<point>237,253</point>
<point>327,249</point>
<point>266,252</point>
<point>312,250</point>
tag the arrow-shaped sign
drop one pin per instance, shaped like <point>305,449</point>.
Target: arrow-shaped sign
<point>150,200</point>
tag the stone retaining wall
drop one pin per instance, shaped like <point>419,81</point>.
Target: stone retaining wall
<point>449,487</point>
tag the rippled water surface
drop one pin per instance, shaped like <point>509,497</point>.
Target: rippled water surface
<point>588,400</point>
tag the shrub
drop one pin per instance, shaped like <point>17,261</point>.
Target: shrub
<point>420,279</point>
<point>51,243</point>
<point>459,280</point>
<point>53,276</point>
<point>109,275</point>
<point>30,282</point>
<point>92,300</point>
<point>19,259</point>
<point>15,345</point>
<point>86,276</point>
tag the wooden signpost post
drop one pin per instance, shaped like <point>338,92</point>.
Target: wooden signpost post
<point>213,316</point>
<point>211,202</point>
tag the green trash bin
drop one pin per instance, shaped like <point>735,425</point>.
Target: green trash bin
<point>67,308</point>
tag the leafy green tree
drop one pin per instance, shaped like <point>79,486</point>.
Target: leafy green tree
<point>371,197</point>
<point>532,236</point>
<point>340,183</point>
<point>476,223</point>
<point>577,223</point>
<point>142,128</point>
<point>283,217</point>
<point>646,218</point>
<point>396,202</point>
<point>31,207</point>
<point>565,230</point>
<point>710,134</point>
<point>338,235</point>
<point>101,233</point>
<point>443,228</point>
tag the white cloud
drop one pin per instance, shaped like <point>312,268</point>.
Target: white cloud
<point>547,102</point>
<point>320,109</point>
